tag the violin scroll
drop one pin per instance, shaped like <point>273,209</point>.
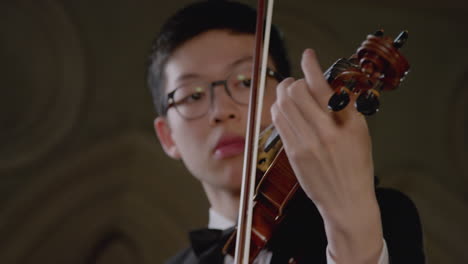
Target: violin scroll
<point>377,66</point>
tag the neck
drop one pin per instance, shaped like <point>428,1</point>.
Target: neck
<point>225,202</point>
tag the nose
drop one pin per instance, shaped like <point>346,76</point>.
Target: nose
<point>223,108</point>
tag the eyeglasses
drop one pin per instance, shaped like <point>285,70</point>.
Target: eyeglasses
<point>194,100</point>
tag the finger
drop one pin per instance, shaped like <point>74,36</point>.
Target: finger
<point>288,136</point>
<point>281,91</point>
<point>307,105</point>
<point>285,83</point>
<point>348,114</point>
<point>313,75</point>
<point>292,115</point>
<point>321,90</point>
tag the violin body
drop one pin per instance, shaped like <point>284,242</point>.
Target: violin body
<point>276,187</point>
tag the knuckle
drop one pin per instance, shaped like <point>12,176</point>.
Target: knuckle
<point>282,103</point>
<point>290,91</point>
<point>301,82</point>
<point>301,152</point>
<point>296,90</point>
<point>274,113</point>
<point>294,154</point>
<point>285,83</point>
<point>276,119</point>
<point>329,139</point>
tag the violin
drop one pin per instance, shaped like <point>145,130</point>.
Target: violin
<point>269,184</point>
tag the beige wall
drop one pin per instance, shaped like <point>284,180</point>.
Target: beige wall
<point>82,176</point>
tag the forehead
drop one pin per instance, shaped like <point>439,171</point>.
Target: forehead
<point>209,56</point>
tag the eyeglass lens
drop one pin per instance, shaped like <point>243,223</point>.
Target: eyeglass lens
<point>192,100</point>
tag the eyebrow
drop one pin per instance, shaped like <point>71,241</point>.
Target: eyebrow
<point>188,76</point>
<point>240,61</point>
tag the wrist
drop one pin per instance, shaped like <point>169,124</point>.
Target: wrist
<point>354,233</point>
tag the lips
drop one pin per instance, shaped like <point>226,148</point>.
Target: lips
<point>229,146</point>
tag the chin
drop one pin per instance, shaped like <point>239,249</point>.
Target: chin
<point>231,168</point>
<point>234,181</point>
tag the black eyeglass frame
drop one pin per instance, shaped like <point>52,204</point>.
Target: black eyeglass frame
<point>169,102</point>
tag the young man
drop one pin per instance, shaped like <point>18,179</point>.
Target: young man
<point>199,76</point>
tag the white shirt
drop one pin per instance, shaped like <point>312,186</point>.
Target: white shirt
<point>218,221</point>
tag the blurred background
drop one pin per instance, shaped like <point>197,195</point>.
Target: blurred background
<point>84,180</point>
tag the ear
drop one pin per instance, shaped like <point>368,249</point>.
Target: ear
<point>164,133</point>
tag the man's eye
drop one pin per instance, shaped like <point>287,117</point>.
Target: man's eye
<point>246,83</point>
<point>190,95</point>
<point>196,96</point>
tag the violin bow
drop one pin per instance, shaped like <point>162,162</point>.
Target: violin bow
<point>244,227</point>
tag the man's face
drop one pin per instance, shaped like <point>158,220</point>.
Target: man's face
<point>211,146</point>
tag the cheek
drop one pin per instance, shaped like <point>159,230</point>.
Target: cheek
<point>193,147</point>
<point>193,158</point>
<point>189,142</point>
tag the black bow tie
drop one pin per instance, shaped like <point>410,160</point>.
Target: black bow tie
<point>207,240</point>
<point>207,244</point>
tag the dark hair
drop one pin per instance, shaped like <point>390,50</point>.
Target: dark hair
<point>198,18</point>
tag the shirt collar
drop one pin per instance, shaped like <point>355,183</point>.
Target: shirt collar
<point>218,221</point>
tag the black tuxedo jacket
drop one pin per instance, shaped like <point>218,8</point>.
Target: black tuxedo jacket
<point>302,235</point>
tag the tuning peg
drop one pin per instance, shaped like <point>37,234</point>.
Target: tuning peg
<point>379,33</point>
<point>337,68</point>
<point>400,39</point>
<point>339,100</point>
<point>368,102</point>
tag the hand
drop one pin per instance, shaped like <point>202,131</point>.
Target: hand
<point>331,156</point>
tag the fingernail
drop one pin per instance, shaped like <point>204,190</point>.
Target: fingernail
<point>308,52</point>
